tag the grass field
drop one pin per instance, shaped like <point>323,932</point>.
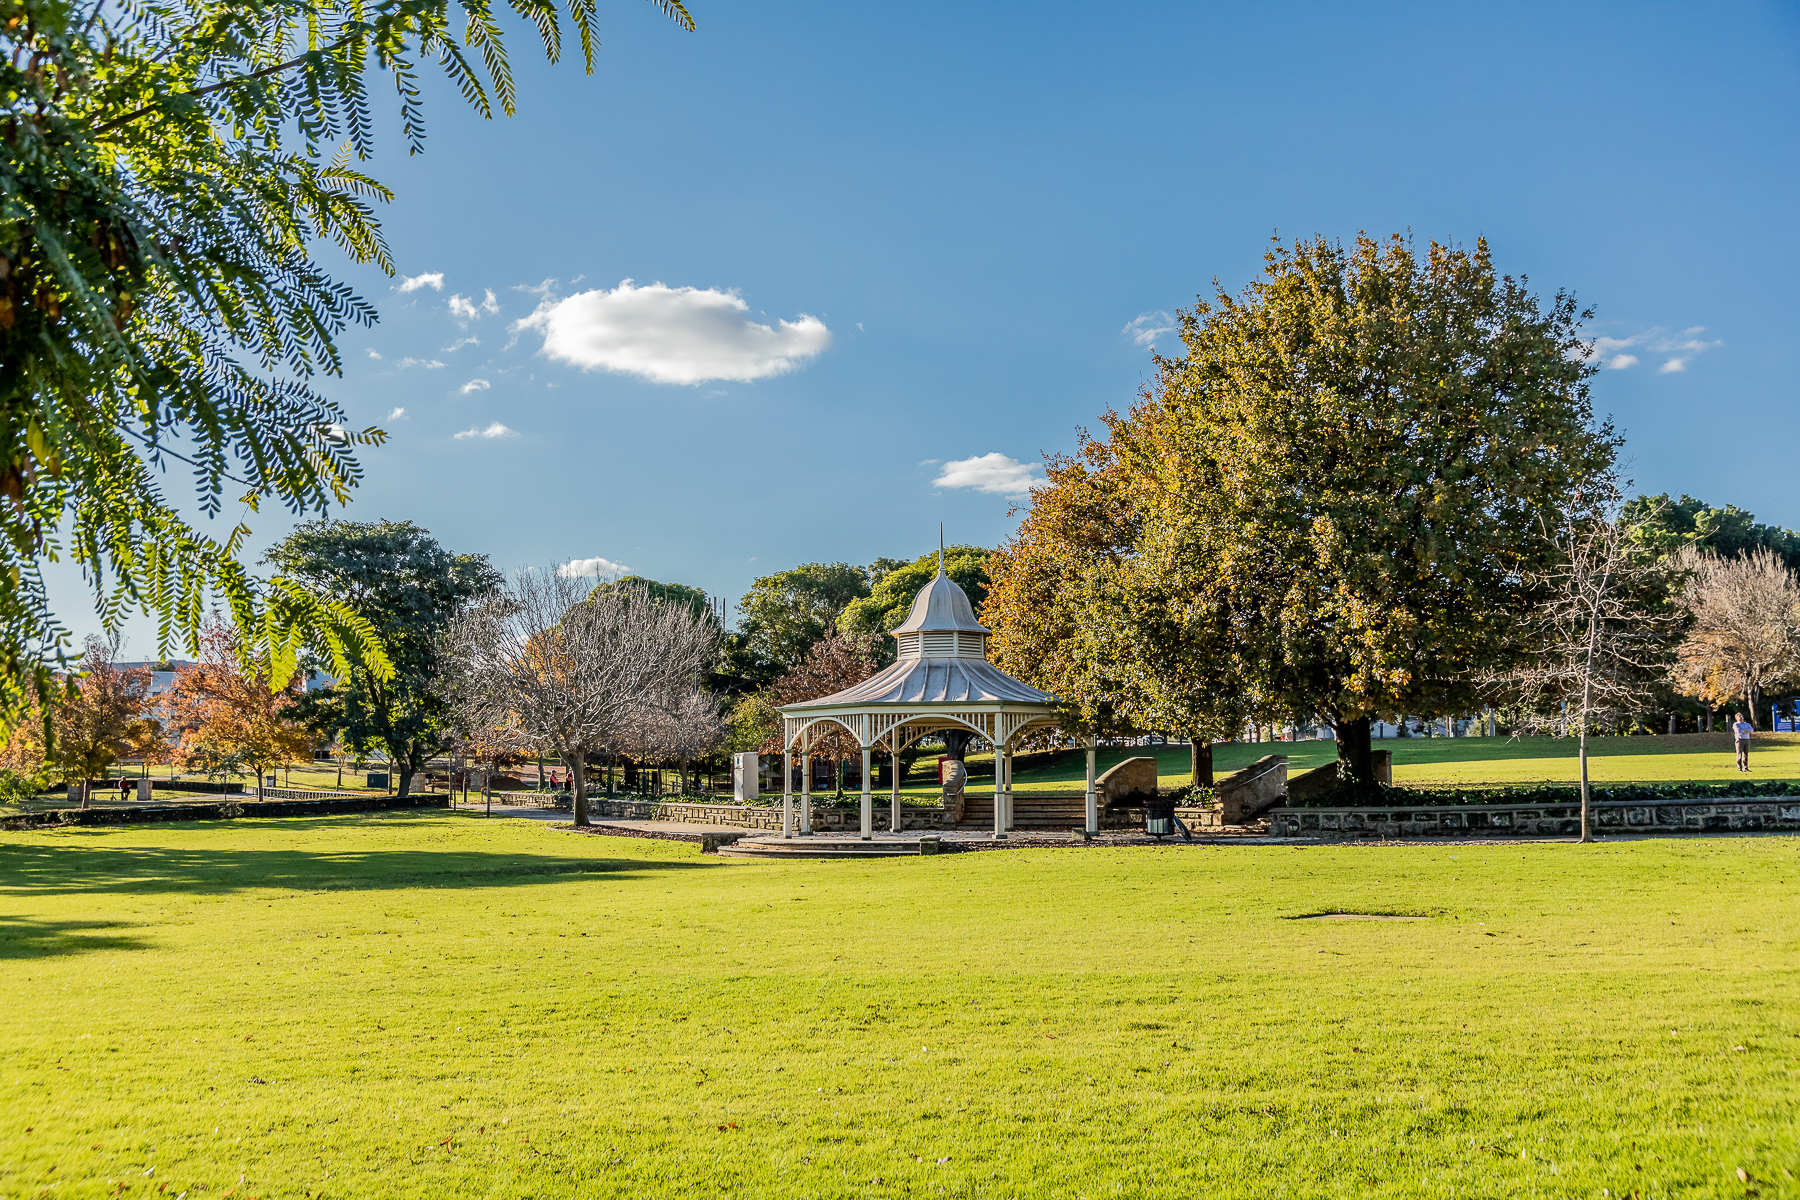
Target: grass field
<point>432,1005</point>
<point>1443,761</point>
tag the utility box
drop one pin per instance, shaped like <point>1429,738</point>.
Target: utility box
<point>745,767</point>
<point>377,779</point>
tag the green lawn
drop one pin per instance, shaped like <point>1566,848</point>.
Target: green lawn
<point>1433,761</point>
<point>436,1005</point>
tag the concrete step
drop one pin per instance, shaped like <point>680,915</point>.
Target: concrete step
<point>822,847</point>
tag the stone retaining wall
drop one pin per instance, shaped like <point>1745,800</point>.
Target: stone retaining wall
<point>1541,820</point>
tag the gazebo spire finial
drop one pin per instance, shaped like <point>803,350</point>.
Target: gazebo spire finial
<point>940,547</point>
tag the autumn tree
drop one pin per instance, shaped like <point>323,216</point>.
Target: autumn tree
<point>1326,503</point>
<point>102,716</point>
<point>834,663</point>
<point>398,578</point>
<point>230,716</point>
<point>1744,636</point>
<point>1664,526</point>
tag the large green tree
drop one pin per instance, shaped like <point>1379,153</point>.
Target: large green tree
<point>1664,526</point>
<point>166,169</point>
<point>1332,493</point>
<point>784,615</point>
<point>398,578</point>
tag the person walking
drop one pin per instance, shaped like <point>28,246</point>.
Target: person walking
<point>1740,734</point>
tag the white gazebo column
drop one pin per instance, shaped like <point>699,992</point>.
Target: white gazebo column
<point>999,798</point>
<point>787,793</point>
<point>894,797</point>
<point>1007,761</point>
<point>1093,806</point>
<point>806,791</point>
<point>868,803</point>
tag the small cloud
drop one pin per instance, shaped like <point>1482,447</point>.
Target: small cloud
<point>1683,348</point>
<point>496,430</point>
<point>412,283</point>
<point>335,432</point>
<point>474,385</point>
<point>374,353</point>
<point>930,462</point>
<point>430,364</point>
<point>582,568</point>
<point>459,343</point>
<point>993,473</point>
<point>465,309</point>
<point>396,414</point>
<point>1145,328</point>
<point>672,334</point>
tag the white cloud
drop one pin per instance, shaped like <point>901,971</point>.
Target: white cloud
<point>583,567</point>
<point>930,462</point>
<point>335,432</point>
<point>1683,347</point>
<point>459,343</point>
<point>412,283</point>
<point>474,385</point>
<point>1145,328</point>
<point>396,414</point>
<point>496,430</point>
<point>993,473</point>
<point>672,335</point>
<point>374,353</point>
<point>465,309</point>
<point>430,364</point>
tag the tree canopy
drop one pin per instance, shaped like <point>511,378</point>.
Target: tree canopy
<point>783,615</point>
<point>168,168</point>
<point>1324,506</point>
<point>1664,526</point>
<point>395,576</point>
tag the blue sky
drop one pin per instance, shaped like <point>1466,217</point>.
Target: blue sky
<point>967,216</point>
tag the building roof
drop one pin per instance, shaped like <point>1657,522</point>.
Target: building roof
<point>934,681</point>
<point>941,604</point>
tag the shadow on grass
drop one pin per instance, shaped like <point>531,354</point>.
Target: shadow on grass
<point>69,867</point>
<point>23,938</point>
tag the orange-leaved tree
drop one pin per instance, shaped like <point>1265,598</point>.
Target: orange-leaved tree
<point>101,716</point>
<point>230,719</point>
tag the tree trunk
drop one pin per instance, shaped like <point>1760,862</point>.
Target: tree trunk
<point>1200,760</point>
<point>578,773</point>
<point>956,743</point>
<point>406,776</point>
<point>1356,757</point>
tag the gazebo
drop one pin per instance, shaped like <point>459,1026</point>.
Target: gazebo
<point>941,680</point>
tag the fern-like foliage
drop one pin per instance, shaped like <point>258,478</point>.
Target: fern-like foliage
<point>166,167</point>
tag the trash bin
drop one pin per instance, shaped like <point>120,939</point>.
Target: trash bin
<point>1159,816</point>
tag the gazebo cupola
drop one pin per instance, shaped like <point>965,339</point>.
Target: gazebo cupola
<point>942,623</point>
